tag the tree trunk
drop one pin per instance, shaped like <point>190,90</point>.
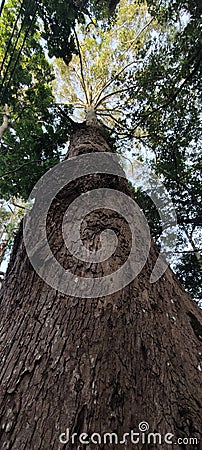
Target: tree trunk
<point>97,365</point>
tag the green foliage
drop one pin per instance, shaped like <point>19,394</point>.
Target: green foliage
<point>188,270</point>
<point>161,118</point>
<point>10,216</point>
<point>38,129</point>
<point>106,52</point>
<point>150,212</point>
<point>104,8</point>
<point>29,150</point>
<point>37,132</point>
<point>60,18</point>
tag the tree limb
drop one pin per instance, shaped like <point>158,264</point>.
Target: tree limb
<point>19,168</point>
<point>115,77</point>
<point>111,94</point>
<point>6,117</point>
<point>172,97</point>
<point>81,66</point>
<point>107,114</point>
<point>81,80</point>
<point>138,34</point>
<point>133,62</point>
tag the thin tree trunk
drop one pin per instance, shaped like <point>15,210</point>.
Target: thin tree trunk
<point>96,365</point>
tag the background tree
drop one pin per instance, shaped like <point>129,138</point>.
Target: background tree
<point>167,101</point>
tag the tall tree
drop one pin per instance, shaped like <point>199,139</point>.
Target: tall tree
<point>105,361</point>
<point>97,364</point>
<point>165,111</point>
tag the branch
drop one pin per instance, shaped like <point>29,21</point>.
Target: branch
<point>184,251</point>
<point>138,34</point>
<point>3,249</point>
<point>81,66</point>
<point>19,168</point>
<point>179,181</point>
<point>195,249</point>
<point>10,208</point>
<point>115,76</point>
<point>63,113</point>
<point>112,117</point>
<point>196,221</point>
<point>172,97</point>
<point>81,80</point>
<point>6,117</point>
<point>20,206</point>
<point>104,109</point>
<point>98,85</point>
<point>111,94</point>
<point>119,73</point>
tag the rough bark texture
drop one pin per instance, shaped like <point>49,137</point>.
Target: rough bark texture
<point>101,365</point>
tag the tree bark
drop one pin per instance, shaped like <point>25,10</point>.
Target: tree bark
<point>96,365</point>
